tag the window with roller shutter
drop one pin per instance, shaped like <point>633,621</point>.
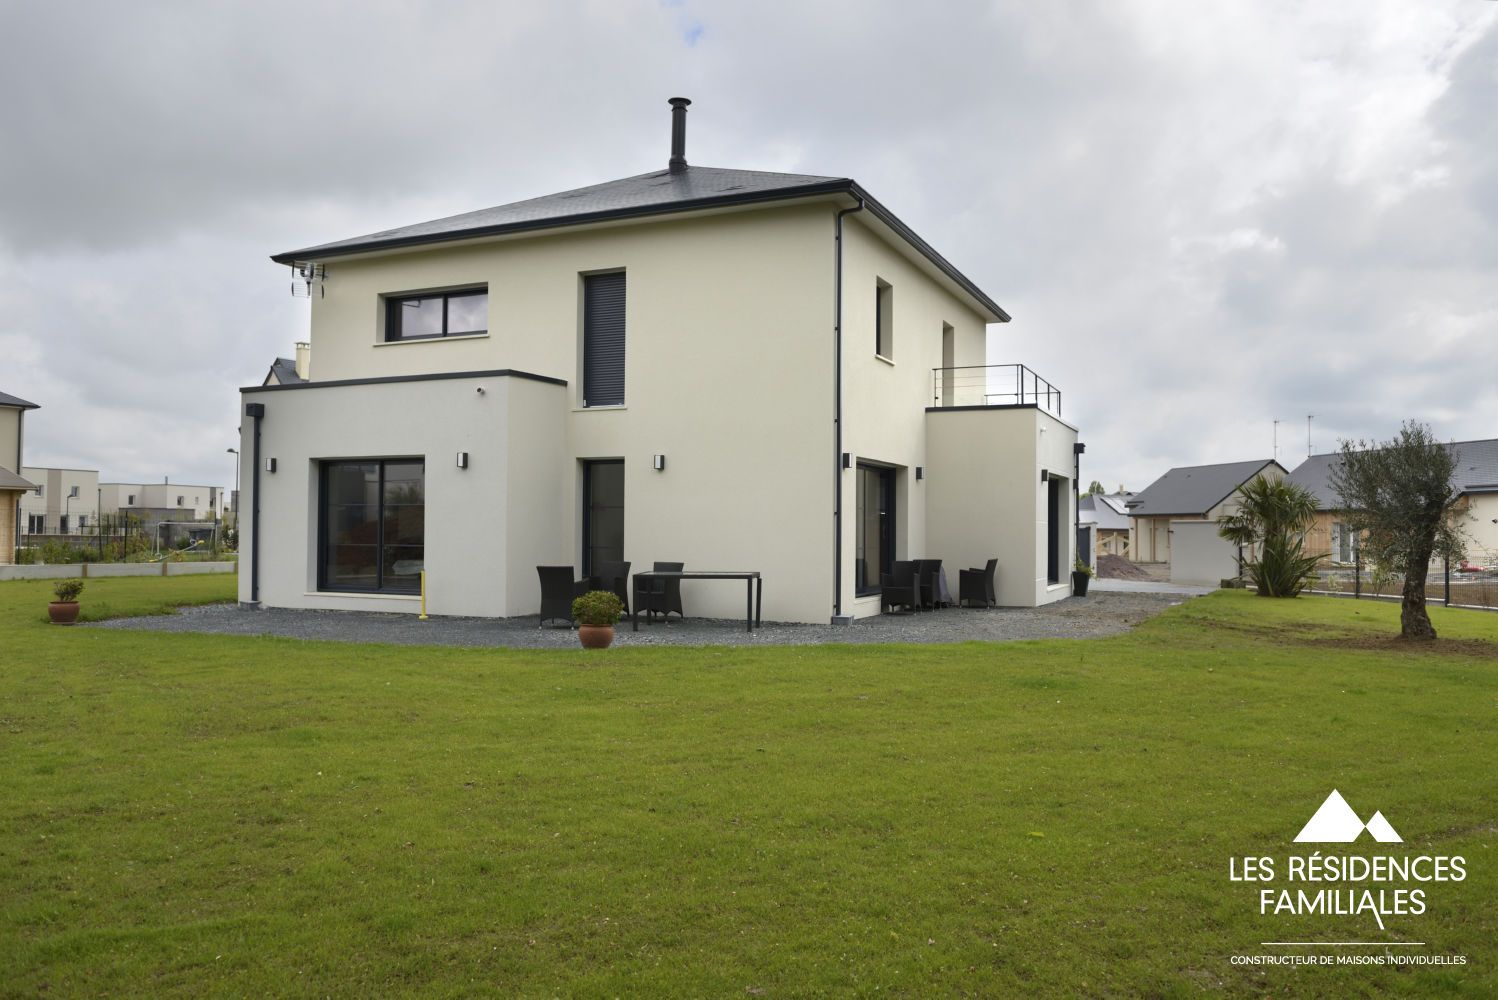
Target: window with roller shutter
<point>603,339</point>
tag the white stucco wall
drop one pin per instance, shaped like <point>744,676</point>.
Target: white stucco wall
<point>468,531</point>
<point>728,374</point>
<point>1199,555</point>
<point>12,420</point>
<point>985,499</point>
<point>54,502</point>
<point>885,399</point>
<point>1481,527</point>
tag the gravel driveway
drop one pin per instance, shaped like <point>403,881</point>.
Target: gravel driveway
<point>1098,614</point>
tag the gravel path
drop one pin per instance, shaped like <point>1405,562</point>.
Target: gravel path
<point>1098,614</point>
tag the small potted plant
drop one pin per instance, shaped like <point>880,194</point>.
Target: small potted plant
<point>64,610</point>
<point>597,612</point>
<point>1081,575</point>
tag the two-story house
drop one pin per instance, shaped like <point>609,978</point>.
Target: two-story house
<point>731,369</point>
<point>65,501</point>
<point>13,486</point>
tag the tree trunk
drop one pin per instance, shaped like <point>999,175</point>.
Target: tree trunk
<point>1414,621</point>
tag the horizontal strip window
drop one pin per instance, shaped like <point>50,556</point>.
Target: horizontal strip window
<point>445,314</point>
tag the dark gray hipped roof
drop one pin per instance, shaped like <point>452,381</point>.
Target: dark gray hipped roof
<point>284,371</point>
<point>656,193</point>
<point>1476,472</point>
<point>6,399</point>
<point>1195,489</point>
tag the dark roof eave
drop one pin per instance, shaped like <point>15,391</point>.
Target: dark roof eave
<point>840,186</point>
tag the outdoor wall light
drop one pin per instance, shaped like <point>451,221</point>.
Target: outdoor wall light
<point>462,459</point>
<point>658,462</point>
<point>270,465</point>
<point>920,472</point>
<point>847,460</point>
<point>1045,475</point>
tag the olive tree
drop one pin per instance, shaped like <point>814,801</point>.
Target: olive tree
<point>1399,496</point>
<point>1272,518</point>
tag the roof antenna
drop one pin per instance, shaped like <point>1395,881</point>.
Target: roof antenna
<point>678,161</point>
<point>308,274</point>
<point>1309,418</point>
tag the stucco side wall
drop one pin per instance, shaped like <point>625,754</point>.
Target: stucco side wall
<point>464,534</point>
<point>54,503</point>
<point>884,399</point>
<point>1480,522</point>
<point>1200,555</point>
<point>535,512</point>
<point>8,501</point>
<point>728,374</point>
<point>985,500</point>
<point>10,438</point>
<point>696,288</point>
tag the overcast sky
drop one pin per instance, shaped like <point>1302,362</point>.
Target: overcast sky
<point>1202,216</point>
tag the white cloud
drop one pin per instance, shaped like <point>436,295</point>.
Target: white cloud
<point>1202,216</point>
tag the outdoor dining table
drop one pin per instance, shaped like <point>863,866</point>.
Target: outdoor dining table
<point>754,588</point>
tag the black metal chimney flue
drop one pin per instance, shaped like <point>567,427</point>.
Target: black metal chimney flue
<point>678,161</point>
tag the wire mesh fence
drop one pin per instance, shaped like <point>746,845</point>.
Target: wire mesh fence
<point>1461,586</point>
<point>125,538</point>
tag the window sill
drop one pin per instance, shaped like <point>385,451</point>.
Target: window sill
<point>888,361</point>
<point>366,594</point>
<point>431,340</point>
<point>597,409</point>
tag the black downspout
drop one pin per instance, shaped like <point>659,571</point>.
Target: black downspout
<point>255,411</point>
<point>837,417</point>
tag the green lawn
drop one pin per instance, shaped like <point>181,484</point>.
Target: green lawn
<point>185,815</point>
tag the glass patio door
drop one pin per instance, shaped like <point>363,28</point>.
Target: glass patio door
<point>875,545</point>
<point>603,512</point>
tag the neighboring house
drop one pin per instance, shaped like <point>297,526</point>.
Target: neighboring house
<point>732,369</point>
<point>167,501</point>
<point>1187,493</point>
<point>1475,479</point>
<point>1109,512</point>
<point>13,485</point>
<point>63,502</point>
<point>289,371</point>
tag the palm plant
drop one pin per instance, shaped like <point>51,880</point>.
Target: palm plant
<point>1273,517</point>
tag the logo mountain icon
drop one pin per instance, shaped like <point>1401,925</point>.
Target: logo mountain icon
<point>1336,823</point>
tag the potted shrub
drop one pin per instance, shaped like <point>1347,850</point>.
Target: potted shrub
<point>597,612</point>
<point>64,610</point>
<point>1081,574</point>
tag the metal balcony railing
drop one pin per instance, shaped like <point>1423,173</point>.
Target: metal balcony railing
<point>993,385</point>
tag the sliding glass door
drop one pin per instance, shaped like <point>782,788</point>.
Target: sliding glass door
<point>373,526</point>
<point>874,549</point>
<point>603,512</point>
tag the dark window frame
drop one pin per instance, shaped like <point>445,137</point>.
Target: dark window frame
<point>589,464</point>
<point>1055,524</point>
<point>884,320</point>
<point>394,304</point>
<point>888,526</point>
<point>322,525</point>
<point>592,394</point>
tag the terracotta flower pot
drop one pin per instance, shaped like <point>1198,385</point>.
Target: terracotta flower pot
<point>63,612</point>
<point>596,636</point>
